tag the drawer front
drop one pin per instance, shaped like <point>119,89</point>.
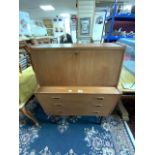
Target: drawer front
<point>77,104</point>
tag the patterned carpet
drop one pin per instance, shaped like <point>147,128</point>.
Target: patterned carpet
<point>73,135</point>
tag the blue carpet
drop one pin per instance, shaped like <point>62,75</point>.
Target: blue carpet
<point>73,135</point>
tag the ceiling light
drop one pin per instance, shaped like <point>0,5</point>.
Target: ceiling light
<point>64,15</point>
<point>47,7</point>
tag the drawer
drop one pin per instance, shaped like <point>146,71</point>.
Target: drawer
<point>76,112</point>
<point>69,98</point>
<point>77,104</point>
<point>49,98</point>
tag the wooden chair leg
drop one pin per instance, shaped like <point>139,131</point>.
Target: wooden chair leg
<point>29,115</point>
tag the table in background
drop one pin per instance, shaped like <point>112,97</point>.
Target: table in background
<point>127,86</point>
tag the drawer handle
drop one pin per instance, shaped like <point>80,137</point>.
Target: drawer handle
<point>55,98</point>
<point>100,98</point>
<point>98,105</point>
<point>96,112</point>
<point>58,104</point>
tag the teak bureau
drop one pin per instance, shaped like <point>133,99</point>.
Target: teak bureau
<point>77,79</point>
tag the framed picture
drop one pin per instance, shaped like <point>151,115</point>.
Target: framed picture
<point>85,26</point>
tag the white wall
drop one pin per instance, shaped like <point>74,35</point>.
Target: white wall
<point>97,29</point>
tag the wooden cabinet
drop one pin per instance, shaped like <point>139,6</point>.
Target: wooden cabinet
<point>77,79</point>
<point>78,100</point>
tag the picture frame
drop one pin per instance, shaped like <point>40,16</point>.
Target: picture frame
<point>85,26</point>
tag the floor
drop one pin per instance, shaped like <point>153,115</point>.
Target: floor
<point>130,107</point>
<point>74,135</point>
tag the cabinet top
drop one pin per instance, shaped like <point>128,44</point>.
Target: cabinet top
<point>77,90</point>
<point>81,46</point>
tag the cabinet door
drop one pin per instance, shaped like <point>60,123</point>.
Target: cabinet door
<point>77,66</point>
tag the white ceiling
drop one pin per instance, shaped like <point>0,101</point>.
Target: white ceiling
<point>61,6</point>
<point>114,0</point>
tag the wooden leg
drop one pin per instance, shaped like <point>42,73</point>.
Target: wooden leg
<point>100,120</point>
<point>22,121</point>
<point>29,115</point>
